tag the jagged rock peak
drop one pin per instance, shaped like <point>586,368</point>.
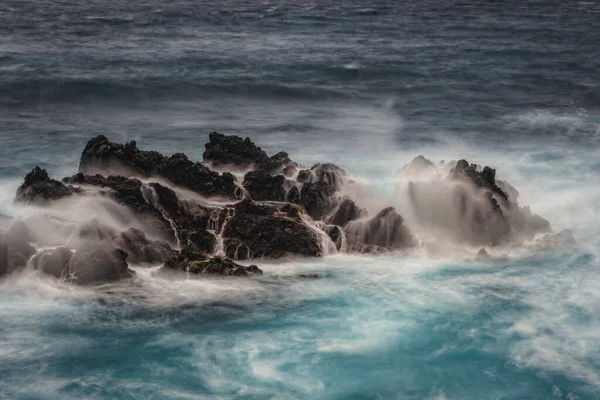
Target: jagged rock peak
<point>231,150</point>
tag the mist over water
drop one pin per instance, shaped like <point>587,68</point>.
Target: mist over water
<point>367,86</point>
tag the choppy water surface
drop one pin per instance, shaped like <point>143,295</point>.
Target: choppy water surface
<point>367,85</point>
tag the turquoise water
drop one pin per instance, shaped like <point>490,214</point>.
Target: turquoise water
<point>367,85</point>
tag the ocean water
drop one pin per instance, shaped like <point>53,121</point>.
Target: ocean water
<point>367,85</point>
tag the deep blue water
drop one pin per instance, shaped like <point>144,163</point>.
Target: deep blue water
<point>367,85</point>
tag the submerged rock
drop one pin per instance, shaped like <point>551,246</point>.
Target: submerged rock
<point>40,188</point>
<point>101,156</point>
<point>268,230</point>
<point>308,276</point>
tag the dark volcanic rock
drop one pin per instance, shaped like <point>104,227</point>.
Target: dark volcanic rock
<point>191,260</point>
<point>186,215</point>
<point>129,192</point>
<point>140,250</point>
<point>98,263</point>
<point>346,212</point>
<point>268,230</point>
<point>315,198</point>
<point>39,188</point>
<point>53,262</point>
<point>223,150</point>
<point>103,157</point>
<point>222,266</point>
<point>202,239</point>
<point>264,187</point>
<point>385,230</point>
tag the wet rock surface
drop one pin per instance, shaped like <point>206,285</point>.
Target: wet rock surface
<point>223,150</point>
<point>265,187</point>
<point>39,188</point>
<point>192,260</point>
<point>271,230</point>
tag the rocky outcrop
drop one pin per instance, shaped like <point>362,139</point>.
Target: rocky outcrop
<point>233,151</point>
<point>98,263</point>
<point>38,188</point>
<point>101,156</point>
<point>272,230</point>
<point>386,230</point>
<point>287,210</point>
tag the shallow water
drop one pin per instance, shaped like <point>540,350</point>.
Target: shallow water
<point>367,86</point>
